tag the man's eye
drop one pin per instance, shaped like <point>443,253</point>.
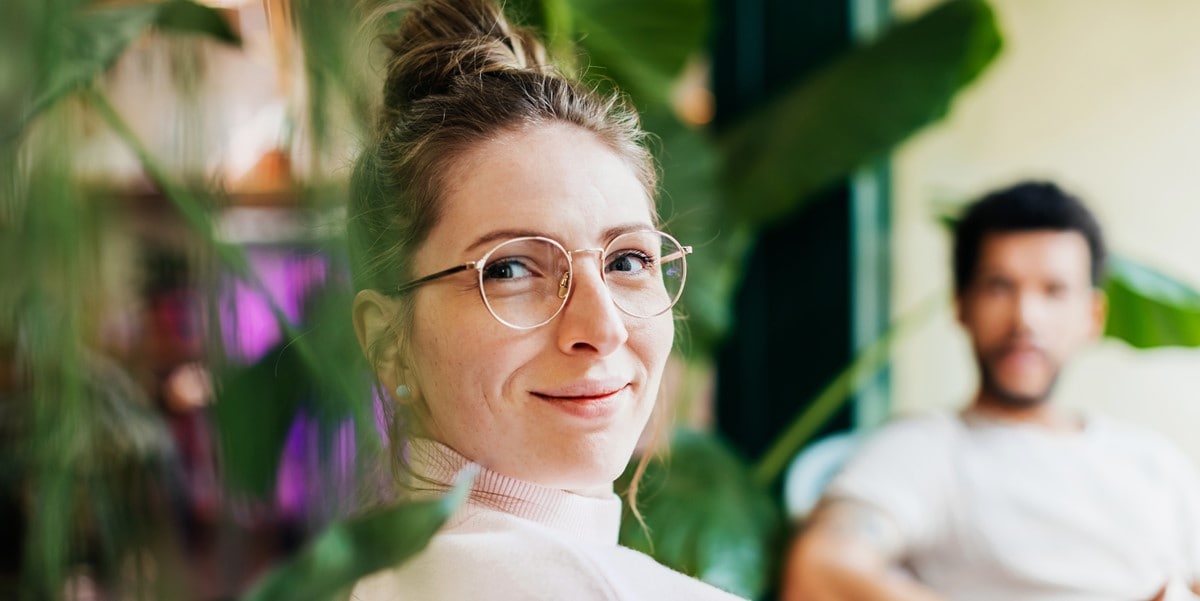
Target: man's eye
<point>997,287</point>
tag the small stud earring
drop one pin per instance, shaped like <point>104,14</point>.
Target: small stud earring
<point>403,392</point>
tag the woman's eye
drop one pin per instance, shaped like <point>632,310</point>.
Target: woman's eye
<point>629,261</point>
<point>506,269</point>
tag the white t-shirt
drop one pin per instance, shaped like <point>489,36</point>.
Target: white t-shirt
<point>998,511</point>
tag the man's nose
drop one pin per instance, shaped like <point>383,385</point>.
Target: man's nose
<point>1031,309</point>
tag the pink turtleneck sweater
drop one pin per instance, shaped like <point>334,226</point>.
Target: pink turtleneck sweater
<point>515,540</point>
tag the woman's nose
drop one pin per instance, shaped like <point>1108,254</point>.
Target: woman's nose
<point>590,321</point>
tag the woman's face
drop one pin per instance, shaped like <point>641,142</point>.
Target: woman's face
<point>561,405</point>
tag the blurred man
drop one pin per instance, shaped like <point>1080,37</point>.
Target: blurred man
<point>1011,498</point>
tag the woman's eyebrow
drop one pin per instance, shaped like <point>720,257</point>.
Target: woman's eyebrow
<point>499,235</point>
<point>625,228</point>
<point>508,234</point>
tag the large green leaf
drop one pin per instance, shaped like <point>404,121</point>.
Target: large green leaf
<point>319,370</point>
<point>689,203</point>
<point>856,109</point>
<point>185,16</point>
<point>255,408</point>
<point>642,46</point>
<point>350,550</point>
<point>705,516</point>
<point>94,38</point>
<point>1148,308</point>
<point>91,43</point>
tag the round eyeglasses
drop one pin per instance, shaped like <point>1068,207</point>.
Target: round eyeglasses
<point>525,282</point>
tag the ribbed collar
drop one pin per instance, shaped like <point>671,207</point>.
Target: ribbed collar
<point>589,518</point>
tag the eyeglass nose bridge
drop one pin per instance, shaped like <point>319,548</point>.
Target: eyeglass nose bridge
<point>567,280</point>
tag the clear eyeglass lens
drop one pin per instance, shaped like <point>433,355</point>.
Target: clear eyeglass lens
<point>525,281</point>
<point>645,272</point>
<point>521,280</point>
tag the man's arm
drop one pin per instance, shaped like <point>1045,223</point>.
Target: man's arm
<point>849,551</point>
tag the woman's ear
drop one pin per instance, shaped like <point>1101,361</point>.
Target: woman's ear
<point>374,317</point>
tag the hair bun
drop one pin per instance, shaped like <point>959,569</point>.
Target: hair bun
<point>442,41</point>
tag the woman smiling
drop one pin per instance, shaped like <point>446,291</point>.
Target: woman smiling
<point>515,300</point>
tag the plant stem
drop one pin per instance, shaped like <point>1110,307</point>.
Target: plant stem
<point>839,390</point>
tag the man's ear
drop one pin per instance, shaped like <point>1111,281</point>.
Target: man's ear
<point>374,316</point>
<point>1099,312</point>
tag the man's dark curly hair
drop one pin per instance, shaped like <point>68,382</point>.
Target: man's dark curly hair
<point>1026,206</point>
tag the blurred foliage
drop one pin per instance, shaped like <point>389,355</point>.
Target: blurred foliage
<point>90,39</point>
<point>1148,308</point>
<point>719,189</point>
<point>347,551</point>
<point>855,109</point>
<point>78,441</point>
<point>705,517</point>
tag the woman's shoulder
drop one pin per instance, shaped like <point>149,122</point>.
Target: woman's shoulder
<point>504,560</point>
<point>653,580</point>
<point>517,559</point>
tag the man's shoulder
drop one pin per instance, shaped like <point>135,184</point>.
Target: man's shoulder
<point>1136,441</point>
<point>919,430</point>
<point>919,441</point>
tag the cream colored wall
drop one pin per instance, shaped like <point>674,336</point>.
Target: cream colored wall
<point>1103,97</point>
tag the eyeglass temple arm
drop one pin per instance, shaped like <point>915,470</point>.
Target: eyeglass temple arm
<point>683,251</point>
<point>433,276</point>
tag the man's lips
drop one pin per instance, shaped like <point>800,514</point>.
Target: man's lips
<point>1021,354</point>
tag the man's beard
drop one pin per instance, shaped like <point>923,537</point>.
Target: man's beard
<point>993,389</point>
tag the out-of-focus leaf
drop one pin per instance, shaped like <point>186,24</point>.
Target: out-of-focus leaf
<point>352,549</point>
<point>689,203</point>
<point>255,409</point>
<point>856,109</point>
<point>336,78</point>
<point>554,21</point>
<point>1148,308</point>
<point>319,369</point>
<point>528,13</point>
<point>94,38</point>
<point>185,16</point>
<point>642,46</point>
<point>91,43</point>
<point>706,517</point>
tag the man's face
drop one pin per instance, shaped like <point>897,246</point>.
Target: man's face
<point>1028,309</point>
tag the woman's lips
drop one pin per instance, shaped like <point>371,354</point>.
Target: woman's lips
<point>592,389</point>
<point>588,400</point>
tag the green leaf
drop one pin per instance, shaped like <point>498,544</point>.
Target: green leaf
<point>1148,308</point>
<point>94,38</point>
<point>856,109</point>
<point>689,204</point>
<point>705,516</point>
<point>185,16</point>
<point>92,41</point>
<point>255,408</point>
<point>350,550</point>
<point>319,369</point>
<point>642,46</point>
